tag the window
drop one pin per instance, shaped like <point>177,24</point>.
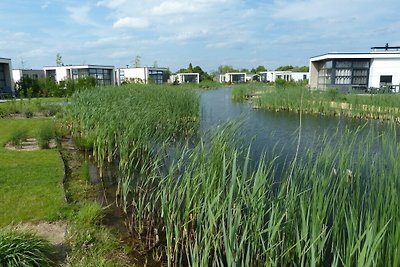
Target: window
<point>385,80</point>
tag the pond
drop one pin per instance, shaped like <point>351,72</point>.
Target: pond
<point>272,132</point>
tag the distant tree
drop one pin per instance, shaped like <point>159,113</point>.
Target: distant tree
<point>190,68</point>
<point>245,70</point>
<point>226,68</point>
<point>293,68</point>
<point>260,69</point>
<point>155,64</point>
<point>59,61</point>
<point>301,69</point>
<point>27,86</point>
<point>137,61</point>
<point>285,68</point>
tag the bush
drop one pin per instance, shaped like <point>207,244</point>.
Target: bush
<point>50,109</point>
<point>24,248</point>
<point>18,136</point>
<point>28,113</point>
<point>44,135</point>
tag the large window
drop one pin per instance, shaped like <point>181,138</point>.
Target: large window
<point>156,76</point>
<point>325,74</point>
<point>102,76</point>
<point>344,73</point>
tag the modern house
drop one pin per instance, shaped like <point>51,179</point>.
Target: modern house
<point>185,78</point>
<point>378,68</point>
<point>233,77</point>
<point>142,75</point>
<point>271,76</point>
<point>104,75</point>
<point>252,77</point>
<point>33,74</point>
<point>6,80</point>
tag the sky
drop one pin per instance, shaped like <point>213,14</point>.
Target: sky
<point>207,33</point>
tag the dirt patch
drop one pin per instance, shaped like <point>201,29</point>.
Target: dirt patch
<point>52,231</point>
<point>29,144</point>
<point>55,233</point>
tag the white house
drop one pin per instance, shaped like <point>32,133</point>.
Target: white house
<point>185,78</point>
<point>141,75</point>
<point>378,68</point>
<point>233,77</point>
<point>271,76</point>
<point>6,80</point>
<point>104,74</point>
<point>34,74</point>
<point>252,77</point>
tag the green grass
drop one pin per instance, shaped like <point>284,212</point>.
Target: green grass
<point>30,181</point>
<point>91,243</point>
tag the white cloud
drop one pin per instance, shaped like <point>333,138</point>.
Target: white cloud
<point>173,7</point>
<point>45,5</point>
<point>80,14</point>
<point>131,22</point>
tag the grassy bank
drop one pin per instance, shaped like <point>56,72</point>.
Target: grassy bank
<point>31,181</point>
<point>331,102</point>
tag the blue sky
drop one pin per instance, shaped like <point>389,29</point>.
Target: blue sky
<point>208,33</point>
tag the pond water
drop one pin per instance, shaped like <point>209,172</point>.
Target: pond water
<point>275,132</point>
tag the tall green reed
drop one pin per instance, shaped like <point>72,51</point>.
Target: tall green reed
<point>207,205</point>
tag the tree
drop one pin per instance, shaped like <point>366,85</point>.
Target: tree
<point>260,69</point>
<point>136,62</point>
<point>285,68</point>
<point>225,69</point>
<point>59,61</point>
<point>155,64</point>
<point>293,68</point>
<point>190,68</point>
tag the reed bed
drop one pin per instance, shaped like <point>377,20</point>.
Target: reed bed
<point>331,102</point>
<point>204,204</point>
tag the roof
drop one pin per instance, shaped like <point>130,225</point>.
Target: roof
<point>188,73</point>
<point>79,66</point>
<point>370,55</point>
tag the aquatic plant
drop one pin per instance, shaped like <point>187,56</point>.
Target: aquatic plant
<point>204,202</point>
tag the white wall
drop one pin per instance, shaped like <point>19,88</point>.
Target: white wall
<point>299,76</point>
<point>17,74</point>
<point>136,73</point>
<point>384,67</point>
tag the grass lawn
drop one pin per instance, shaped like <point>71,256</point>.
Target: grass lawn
<point>30,181</point>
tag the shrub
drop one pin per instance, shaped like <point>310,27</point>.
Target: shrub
<point>50,109</point>
<point>18,136</point>
<point>44,135</point>
<point>28,113</point>
<point>24,248</point>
